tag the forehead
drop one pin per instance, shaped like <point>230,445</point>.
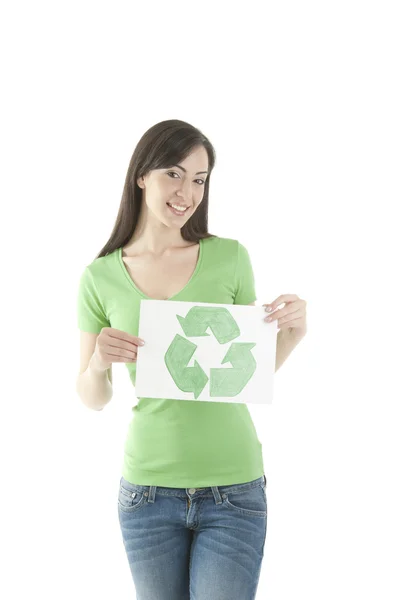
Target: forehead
<point>197,155</point>
<point>196,161</point>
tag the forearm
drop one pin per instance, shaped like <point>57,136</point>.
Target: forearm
<point>284,346</point>
<point>94,387</point>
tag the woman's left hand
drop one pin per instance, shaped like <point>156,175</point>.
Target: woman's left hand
<point>291,317</point>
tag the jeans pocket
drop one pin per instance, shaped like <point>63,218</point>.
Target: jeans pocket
<point>265,495</point>
<point>130,500</point>
<point>252,502</point>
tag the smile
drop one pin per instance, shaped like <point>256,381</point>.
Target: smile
<point>177,211</point>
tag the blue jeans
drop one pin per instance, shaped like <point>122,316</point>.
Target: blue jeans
<point>194,544</point>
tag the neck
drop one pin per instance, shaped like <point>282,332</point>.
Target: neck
<point>153,237</point>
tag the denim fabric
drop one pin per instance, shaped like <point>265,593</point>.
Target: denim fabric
<point>194,543</point>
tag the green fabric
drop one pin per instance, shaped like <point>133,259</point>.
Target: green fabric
<point>179,443</point>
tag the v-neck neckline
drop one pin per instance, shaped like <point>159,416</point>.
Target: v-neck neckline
<point>142,294</point>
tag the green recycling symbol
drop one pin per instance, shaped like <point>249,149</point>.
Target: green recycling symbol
<point>223,382</point>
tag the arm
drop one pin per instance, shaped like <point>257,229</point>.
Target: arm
<point>285,344</point>
<point>94,385</point>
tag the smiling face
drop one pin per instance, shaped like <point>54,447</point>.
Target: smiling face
<point>180,185</point>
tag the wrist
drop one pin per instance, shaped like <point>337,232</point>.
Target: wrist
<point>96,365</point>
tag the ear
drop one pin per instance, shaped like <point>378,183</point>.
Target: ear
<point>140,182</point>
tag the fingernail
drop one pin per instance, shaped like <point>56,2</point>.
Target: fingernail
<point>141,342</point>
<point>268,309</point>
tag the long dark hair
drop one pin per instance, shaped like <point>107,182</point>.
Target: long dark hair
<point>161,146</point>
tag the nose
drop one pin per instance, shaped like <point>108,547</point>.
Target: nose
<point>185,190</point>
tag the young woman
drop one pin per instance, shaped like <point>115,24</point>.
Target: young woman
<point>192,501</point>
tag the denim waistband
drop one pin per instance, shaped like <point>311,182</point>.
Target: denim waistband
<point>215,491</point>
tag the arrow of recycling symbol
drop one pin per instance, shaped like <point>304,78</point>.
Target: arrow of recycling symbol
<point>223,382</point>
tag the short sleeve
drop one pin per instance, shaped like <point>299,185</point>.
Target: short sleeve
<point>244,279</point>
<point>90,311</point>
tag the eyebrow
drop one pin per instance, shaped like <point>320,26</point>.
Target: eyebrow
<point>184,170</point>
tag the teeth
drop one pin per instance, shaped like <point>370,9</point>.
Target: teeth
<point>178,207</point>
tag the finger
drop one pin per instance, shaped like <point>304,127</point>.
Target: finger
<point>285,317</point>
<point>281,299</point>
<point>283,312</point>
<point>126,337</point>
<point>268,307</point>
<point>288,308</point>
<point>293,323</point>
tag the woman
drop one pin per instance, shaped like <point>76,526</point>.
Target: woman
<point>192,501</point>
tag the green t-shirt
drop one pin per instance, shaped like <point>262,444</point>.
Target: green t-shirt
<point>178,443</point>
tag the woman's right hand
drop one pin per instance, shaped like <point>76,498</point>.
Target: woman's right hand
<point>114,345</point>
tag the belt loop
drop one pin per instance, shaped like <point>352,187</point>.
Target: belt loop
<point>217,495</point>
<point>152,493</point>
<point>265,480</point>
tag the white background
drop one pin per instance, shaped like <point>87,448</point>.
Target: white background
<point>301,101</point>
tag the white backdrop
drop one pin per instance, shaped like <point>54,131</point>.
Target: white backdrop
<point>300,100</point>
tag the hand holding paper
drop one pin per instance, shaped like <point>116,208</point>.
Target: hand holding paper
<point>114,345</point>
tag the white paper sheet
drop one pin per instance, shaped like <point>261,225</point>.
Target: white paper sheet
<point>186,344</point>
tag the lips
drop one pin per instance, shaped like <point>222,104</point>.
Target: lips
<point>180,205</point>
<point>176,212</point>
